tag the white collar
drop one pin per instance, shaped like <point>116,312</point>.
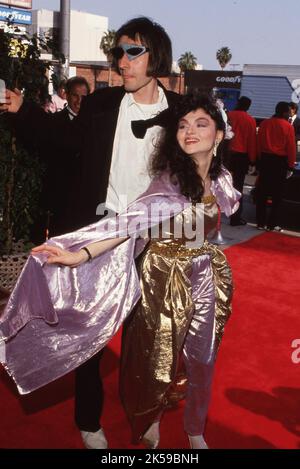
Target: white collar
<point>72,113</point>
<point>131,100</point>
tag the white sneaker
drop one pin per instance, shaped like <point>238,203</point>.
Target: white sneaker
<point>197,442</point>
<point>151,437</point>
<point>94,440</point>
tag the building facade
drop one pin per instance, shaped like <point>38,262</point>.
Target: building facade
<point>267,84</point>
<point>86,32</point>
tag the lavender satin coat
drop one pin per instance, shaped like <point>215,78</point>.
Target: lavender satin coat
<point>57,318</point>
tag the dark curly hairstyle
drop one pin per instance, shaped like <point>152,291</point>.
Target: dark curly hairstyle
<point>170,157</point>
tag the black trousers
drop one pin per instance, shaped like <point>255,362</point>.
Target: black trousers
<point>238,164</point>
<point>89,395</point>
<point>271,180</point>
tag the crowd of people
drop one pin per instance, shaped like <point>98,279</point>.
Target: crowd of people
<point>271,149</point>
<point>126,150</point>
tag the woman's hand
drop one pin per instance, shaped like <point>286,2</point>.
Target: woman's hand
<point>57,255</point>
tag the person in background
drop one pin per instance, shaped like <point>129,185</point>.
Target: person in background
<point>58,99</point>
<point>76,88</point>
<point>241,150</point>
<point>276,156</point>
<point>61,168</point>
<point>60,186</point>
<point>295,120</point>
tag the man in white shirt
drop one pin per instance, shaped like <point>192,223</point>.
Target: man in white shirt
<point>113,162</point>
<point>137,42</point>
<point>128,175</point>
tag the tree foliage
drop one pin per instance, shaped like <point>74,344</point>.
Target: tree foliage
<point>107,43</point>
<point>223,56</point>
<point>20,172</point>
<point>187,61</point>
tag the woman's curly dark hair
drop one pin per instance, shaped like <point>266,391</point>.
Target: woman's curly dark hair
<point>170,157</point>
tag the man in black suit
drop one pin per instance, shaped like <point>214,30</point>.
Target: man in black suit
<point>295,120</point>
<point>61,171</point>
<point>112,161</point>
<point>58,182</point>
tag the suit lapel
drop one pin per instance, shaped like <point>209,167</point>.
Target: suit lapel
<point>104,123</point>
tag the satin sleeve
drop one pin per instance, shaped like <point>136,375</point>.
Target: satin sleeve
<point>227,196</point>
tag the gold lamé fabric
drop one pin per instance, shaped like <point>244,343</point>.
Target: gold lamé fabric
<point>152,376</point>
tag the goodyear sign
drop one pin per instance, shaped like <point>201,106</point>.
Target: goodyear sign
<point>15,15</point>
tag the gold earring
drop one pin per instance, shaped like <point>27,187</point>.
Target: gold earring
<point>215,148</point>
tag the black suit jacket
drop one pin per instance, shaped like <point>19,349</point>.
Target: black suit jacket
<point>89,138</point>
<point>58,176</point>
<point>58,192</point>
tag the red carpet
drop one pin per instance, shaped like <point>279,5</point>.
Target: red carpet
<point>256,395</point>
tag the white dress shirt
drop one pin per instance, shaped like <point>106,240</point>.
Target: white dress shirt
<point>129,176</point>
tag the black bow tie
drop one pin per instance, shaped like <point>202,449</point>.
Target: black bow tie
<point>140,127</point>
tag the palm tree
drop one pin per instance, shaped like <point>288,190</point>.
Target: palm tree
<point>223,56</point>
<point>106,44</point>
<point>186,61</point>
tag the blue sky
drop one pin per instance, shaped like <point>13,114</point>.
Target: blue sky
<point>256,31</point>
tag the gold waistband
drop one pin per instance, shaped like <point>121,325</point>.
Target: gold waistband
<point>175,250</point>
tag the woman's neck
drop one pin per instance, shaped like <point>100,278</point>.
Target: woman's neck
<point>203,163</point>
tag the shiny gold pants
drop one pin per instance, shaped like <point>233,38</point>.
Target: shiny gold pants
<point>184,306</point>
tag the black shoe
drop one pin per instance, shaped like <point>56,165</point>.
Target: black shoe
<point>240,222</point>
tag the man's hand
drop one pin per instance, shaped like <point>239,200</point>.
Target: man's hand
<point>289,173</point>
<point>14,101</point>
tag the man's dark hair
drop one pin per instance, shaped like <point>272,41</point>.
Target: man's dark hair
<point>74,81</point>
<point>294,106</point>
<point>243,103</point>
<point>282,109</point>
<point>154,36</point>
<point>170,157</point>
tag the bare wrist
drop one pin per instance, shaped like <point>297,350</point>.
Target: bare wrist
<point>83,257</point>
